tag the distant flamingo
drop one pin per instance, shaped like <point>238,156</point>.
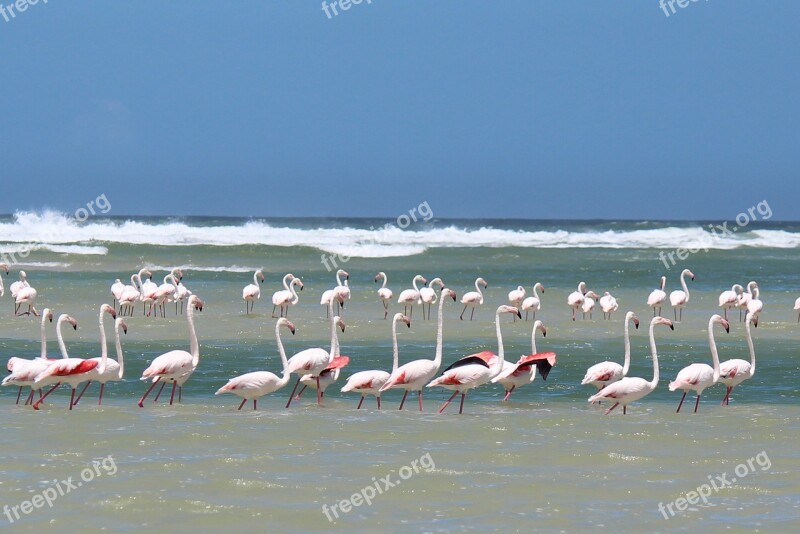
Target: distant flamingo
<point>114,370</point>
<point>15,288</point>
<point>25,295</point>
<point>516,296</point>
<point>71,371</point>
<point>727,299</point>
<point>744,298</point>
<point>576,298</point>
<point>131,293</point>
<point>4,267</point>
<point>523,372</point>
<point>678,299</point>
<point>166,293</point>
<point>754,305</point>
<point>588,303</point>
<point>370,382</point>
<point>797,309</point>
<point>734,372</point>
<point>176,366</point>
<point>475,370</point>
<point>255,385</point>
<point>385,294</point>
<point>631,389</point>
<point>413,375</point>
<point>287,297</point>
<point>23,372</point>
<point>472,299</point>
<point>116,290</point>
<point>148,294</point>
<point>252,292</point>
<point>428,295</point>
<point>698,376</point>
<point>657,297</point>
<point>604,373</point>
<point>409,297</point>
<point>314,361</point>
<point>608,304</point>
<point>333,295</point>
<point>533,302</point>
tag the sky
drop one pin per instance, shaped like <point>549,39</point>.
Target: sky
<point>568,109</point>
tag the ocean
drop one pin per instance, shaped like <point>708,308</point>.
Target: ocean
<point>546,460</point>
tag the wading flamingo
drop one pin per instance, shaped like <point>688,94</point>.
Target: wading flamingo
<point>286,297</point>
<point>131,294</point>
<point>734,372</point>
<point>576,298</point>
<point>472,299</point>
<point>252,292</point>
<point>516,296</point>
<point>631,389</point>
<point>255,385</point>
<point>428,295</point>
<point>698,376</point>
<point>370,382</point>
<point>744,298</point>
<point>116,290</point>
<point>25,295</point>
<point>328,376</point>
<point>754,305</point>
<point>727,299</point>
<point>23,372</point>
<point>679,298</point>
<point>409,297</point>
<point>115,369</point>
<point>477,369</point>
<point>608,304</point>
<point>385,294</point>
<point>657,297</point>
<point>534,302</point>
<point>332,295</point>
<point>588,303</point>
<point>523,372</point>
<point>604,373</point>
<point>15,287</point>
<point>413,375</point>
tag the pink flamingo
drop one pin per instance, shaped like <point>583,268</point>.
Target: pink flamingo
<point>252,292</point>
<point>176,366</point>
<point>472,299</point>
<point>413,375</point>
<point>385,294</point>
<point>370,382</point>
<point>427,295</point>
<point>523,372</point>
<point>286,297</point>
<point>533,302</point>
<point>255,385</point>
<point>727,299</point>
<point>698,376</point>
<point>734,372</point>
<point>657,297</point>
<point>604,373</point>
<point>409,297</point>
<point>477,369</point>
<point>23,372</point>
<point>576,298</point>
<point>679,298</point>
<point>631,389</point>
<point>114,370</point>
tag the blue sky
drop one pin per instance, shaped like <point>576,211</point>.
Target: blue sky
<point>513,108</point>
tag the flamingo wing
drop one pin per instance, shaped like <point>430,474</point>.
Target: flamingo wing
<point>544,361</point>
<point>481,358</point>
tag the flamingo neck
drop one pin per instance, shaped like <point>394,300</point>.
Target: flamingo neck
<point>194,346</point>
<point>385,281</point>
<point>437,360</point>
<point>683,285</point>
<point>395,351</point>
<point>414,283</point>
<point>663,282</point>
<point>498,366</point>
<point>60,336</point>
<point>338,279</point>
<point>103,348</point>
<point>536,326</point>
<point>331,354</point>
<point>286,374</point>
<point>535,294</point>
<point>627,365</point>
<point>750,346</point>
<point>713,346</point>
<point>654,353</point>
<point>118,346</point>
<point>255,278</point>
<point>293,291</point>
<point>478,289</point>
<point>43,354</point>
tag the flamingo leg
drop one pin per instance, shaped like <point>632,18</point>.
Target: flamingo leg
<point>360,402</point>
<point>19,393</point>
<point>319,394</point>
<point>29,400</point>
<point>242,404</point>
<point>508,393</point>
<point>255,404</point>
<point>172,397</point>
<point>727,392</point>
<point>180,394</point>
<point>402,402</point>
<point>453,396</point>
<point>159,391</point>
<point>141,401</point>
<point>461,407</point>
<point>609,410</point>
<point>462,312</point>
<point>471,315</point>
<point>681,403</point>
<point>378,400</point>
<point>293,390</point>
<point>419,393</point>
<point>300,392</point>
<point>43,397</point>
<point>697,403</point>
<point>624,409</point>
<point>80,396</point>
<point>102,389</point>
<point>72,399</point>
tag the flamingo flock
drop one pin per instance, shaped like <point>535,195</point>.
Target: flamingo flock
<point>318,368</point>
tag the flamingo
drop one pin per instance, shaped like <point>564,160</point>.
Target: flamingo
<point>754,305</point>
<point>23,372</point>
<point>166,292</point>
<point>472,299</point>
<point>15,287</point>
<point>314,361</point>
<point>608,304</point>
<point>385,294</point>
<point>328,376</point>
<point>744,298</point>
<point>657,297</point>
<point>116,290</point>
<point>114,370</point>
<point>72,371</point>
<point>255,385</point>
<point>604,373</point>
<point>286,297</point>
<point>533,302</point>
<point>413,375</point>
<point>588,303</point>
<point>370,382</point>
<point>575,299</point>
<point>524,371</point>
<point>342,292</point>
<point>727,299</point>
<point>409,297</point>
<point>3,266</point>
<point>176,366</point>
<point>516,296</point>
<point>183,294</point>
<point>678,299</point>
<point>698,376</point>
<point>428,295</point>
<point>332,294</point>
<point>24,295</point>
<point>252,292</point>
<point>734,372</point>
<point>477,369</point>
<point>148,294</point>
<point>797,309</point>
<point>630,389</point>
<point>131,292</point>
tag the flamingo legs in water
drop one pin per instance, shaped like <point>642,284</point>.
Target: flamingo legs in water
<point>508,393</point>
<point>461,406</point>
<point>43,397</point>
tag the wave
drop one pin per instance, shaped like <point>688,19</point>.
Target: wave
<point>59,233</point>
<point>189,268</point>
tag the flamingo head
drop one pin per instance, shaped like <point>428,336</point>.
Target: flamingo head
<point>342,272</point>
<point>120,323</point>
<point>719,320</point>
<point>421,278</point>
<point>338,321</point>
<point>404,318</point>
<point>538,286</point>
<point>688,273</point>
<point>630,316</point>
<point>107,308</point>
<point>539,325</point>
<point>662,320</point>
<point>482,282</point>
<point>582,288</point>
<point>23,275</point>
<point>509,309</point>
<point>283,321</point>
<point>260,276</point>
<point>379,276</point>
<point>178,274</point>
<point>72,321</point>
<point>47,314</point>
<point>4,266</point>
<point>591,295</point>
<point>298,282</point>
<point>446,291</point>
<point>195,301</point>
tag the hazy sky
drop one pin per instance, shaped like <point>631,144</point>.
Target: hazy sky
<point>512,108</point>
